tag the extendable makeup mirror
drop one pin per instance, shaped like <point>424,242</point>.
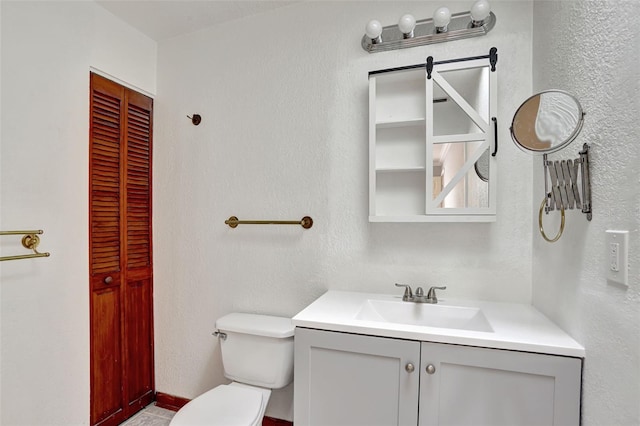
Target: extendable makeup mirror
<point>547,122</point>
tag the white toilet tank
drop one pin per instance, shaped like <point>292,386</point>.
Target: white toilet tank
<point>258,349</point>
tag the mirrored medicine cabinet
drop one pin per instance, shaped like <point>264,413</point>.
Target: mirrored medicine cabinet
<point>432,142</point>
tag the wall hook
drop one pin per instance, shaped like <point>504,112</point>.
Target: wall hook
<point>196,119</point>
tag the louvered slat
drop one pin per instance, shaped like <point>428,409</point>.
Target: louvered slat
<point>105,183</point>
<point>138,187</point>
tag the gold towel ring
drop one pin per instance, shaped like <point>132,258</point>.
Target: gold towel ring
<point>559,234</point>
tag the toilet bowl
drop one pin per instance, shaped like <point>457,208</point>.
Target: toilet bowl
<point>257,354</point>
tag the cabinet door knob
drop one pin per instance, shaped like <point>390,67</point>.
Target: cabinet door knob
<point>409,367</point>
<point>108,280</point>
<point>430,369</point>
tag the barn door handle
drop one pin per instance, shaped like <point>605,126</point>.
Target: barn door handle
<point>108,280</point>
<point>495,136</point>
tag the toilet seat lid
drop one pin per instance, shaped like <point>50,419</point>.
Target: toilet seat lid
<point>223,405</point>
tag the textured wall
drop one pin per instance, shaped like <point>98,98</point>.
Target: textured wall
<point>47,51</point>
<point>284,102</point>
<point>592,49</point>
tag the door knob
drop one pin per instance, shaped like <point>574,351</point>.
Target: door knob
<point>108,280</point>
<point>430,369</point>
<point>409,367</point>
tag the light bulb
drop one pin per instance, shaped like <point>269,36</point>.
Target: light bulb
<point>373,30</point>
<point>406,24</point>
<point>441,19</point>
<point>479,12</point>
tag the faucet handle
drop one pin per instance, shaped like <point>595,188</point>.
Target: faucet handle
<point>431,295</point>
<point>408,294</point>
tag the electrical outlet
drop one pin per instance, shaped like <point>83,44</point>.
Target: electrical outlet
<point>613,256</point>
<point>618,257</point>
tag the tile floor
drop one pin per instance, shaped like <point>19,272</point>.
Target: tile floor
<point>150,416</point>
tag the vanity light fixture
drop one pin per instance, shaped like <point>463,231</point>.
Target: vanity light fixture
<point>443,26</point>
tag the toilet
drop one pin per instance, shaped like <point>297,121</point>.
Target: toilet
<point>257,355</point>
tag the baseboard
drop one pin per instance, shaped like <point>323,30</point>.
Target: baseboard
<point>170,402</point>
<point>270,421</point>
<point>174,403</point>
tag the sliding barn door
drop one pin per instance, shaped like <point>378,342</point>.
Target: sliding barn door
<point>120,252</point>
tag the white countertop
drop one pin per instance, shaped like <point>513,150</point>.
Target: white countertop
<point>515,326</point>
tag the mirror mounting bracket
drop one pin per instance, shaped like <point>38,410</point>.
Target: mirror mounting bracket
<point>586,180</point>
<point>565,189</point>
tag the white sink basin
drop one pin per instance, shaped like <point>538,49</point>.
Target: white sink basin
<point>510,326</point>
<point>423,314</point>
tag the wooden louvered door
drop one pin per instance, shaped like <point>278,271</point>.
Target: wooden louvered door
<point>120,252</point>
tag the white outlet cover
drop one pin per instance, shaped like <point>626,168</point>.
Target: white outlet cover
<point>617,256</point>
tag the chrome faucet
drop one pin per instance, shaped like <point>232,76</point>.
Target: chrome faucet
<point>419,297</point>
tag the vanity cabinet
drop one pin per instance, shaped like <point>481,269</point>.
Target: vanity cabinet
<point>430,143</point>
<point>351,379</point>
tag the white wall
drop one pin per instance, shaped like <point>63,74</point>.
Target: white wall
<point>284,134</point>
<point>47,51</point>
<point>592,49</point>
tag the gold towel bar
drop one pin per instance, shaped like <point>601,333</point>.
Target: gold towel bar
<point>39,231</point>
<point>24,256</point>
<point>30,241</point>
<point>306,222</point>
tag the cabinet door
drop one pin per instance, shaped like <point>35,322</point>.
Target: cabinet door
<point>347,379</point>
<point>478,386</point>
<point>137,289</point>
<point>105,250</point>
<point>460,134</point>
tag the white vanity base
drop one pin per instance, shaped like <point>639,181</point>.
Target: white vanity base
<point>517,369</point>
<point>347,379</point>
